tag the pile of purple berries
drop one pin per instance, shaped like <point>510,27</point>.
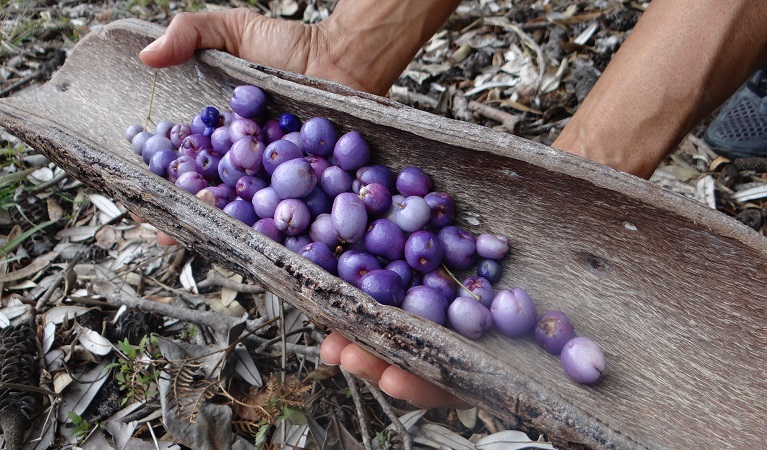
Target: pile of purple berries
<point>390,234</point>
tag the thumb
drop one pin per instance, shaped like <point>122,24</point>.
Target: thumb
<point>229,30</point>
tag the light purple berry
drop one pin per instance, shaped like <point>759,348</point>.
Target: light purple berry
<point>514,312</point>
<point>553,330</point>
<point>583,360</point>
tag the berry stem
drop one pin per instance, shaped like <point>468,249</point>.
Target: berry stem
<point>151,101</point>
<point>476,297</point>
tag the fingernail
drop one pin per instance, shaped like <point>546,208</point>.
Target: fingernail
<point>154,45</point>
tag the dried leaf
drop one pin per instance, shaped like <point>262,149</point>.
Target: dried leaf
<point>187,278</point>
<point>4,320</point>
<point>49,335</point>
<point>429,433</point>
<point>296,436</point>
<point>410,419</point>
<point>705,191</point>
<point>509,440</point>
<point>40,175</point>
<point>80,393</point>
<point>97,441</point>
<point>586,34</point>
<point>468,417</point>
<point>77,234</point>
<point>107,207</point>
<point>750,194</point>
<point>246,367</point>
<point>38,264</point>
<point>60,381</point>
<point>93,341</point>
<point>59,314</point>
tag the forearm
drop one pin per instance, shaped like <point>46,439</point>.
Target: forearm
<point>681,61</point>
<point>374,40</point>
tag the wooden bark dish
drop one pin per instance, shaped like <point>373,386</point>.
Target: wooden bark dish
<point>673,291</point>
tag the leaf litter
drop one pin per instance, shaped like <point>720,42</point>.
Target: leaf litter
<point>139,378</point>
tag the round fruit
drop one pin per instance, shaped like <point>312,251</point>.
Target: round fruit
<point>459,247</point>
<point>318,136</point>
<point>514,312</point>
<point>469,317</point>
<point>492,246</point>
<point>490,269</point>
<point>352,265</point>
<point>248,101</point>
<point>413,181</point>
<point>351,151</point>
<point>349,217</point>
<point>384,286</point>
<point>294,178</point>
<point>553,330</point>
<point>426,302</point>
<point>423,251</point>
<point>583,360</point>
<point>320,254</point>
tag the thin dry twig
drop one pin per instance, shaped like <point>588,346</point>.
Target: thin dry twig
<point>508,121</point>
<point>215,279</point>
<point>407,441</point>
<point>351,381</point>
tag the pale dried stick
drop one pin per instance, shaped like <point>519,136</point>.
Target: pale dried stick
<point>407,441</point>
<point>352,382</point>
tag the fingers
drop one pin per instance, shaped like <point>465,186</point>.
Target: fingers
<point>331,348</point>
<point>163,238</point>
<point>404,385</point>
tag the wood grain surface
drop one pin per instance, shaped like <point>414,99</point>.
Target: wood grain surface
<point>673,291</point>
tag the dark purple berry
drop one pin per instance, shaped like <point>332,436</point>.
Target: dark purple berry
<point>442,206</point>
<point>384,286</point>
<point>153,145</point>
<point>441,281</point>
<point>220,140</point>
<point>289,123</point>
<point>161,161</point>
<point>376,197</point>
<point>349,217</point>
<point>351,151</point>
<point>481,287</point>
<point>459,247</point>
<point>279,152</point>
<point>413,181</point>
<point>374,174</point>
<point>334,180</point>
<point>423,251</point>
<point>553,330</point>
<point>318,202</point>
<point>404,270</point>
<point>210,116</point>
<point>271,131</point>
<point>296,243</point>
<point>385,239</point>
<point>318,136</point>
<point>322,255</point>
<point>490,269</point>
<point>241,210</point>
<point>228,174</point>
<point>352,265</point>
<point>207,162</point>
<point>267,227</point>
<point>248,185</point>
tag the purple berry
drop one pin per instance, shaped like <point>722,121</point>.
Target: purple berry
<point>514,312</point>
<point>385,239</point>
<point>321,230</point>
<point>442,206</point>
<point>138,141</point>
<point>246,154</point>
<point>220,140</point>
<point>178,133</point>
<point>413,181</point>
<point>412,213</point>
<point>153,145</point>
<point>440,280</point>
<point>296,243</point>
<point>322,255</point>
<point>228,174</point>
<point>241,210</point>
<point>374,174</point>
<point>481,287</point>
<point>492,246</point>
<point>295,138</point>
<point>180,165</point>
<point>132,131</point>
<point>279,152</point>
<point>404,270</point>
<point>214,196</point>
<point>318,202</point>
<point>247,186</point>
<point>294,178</point>
<point>210,116</point>
<point>384,286</point>
<point>459,247</point>
<point>164,128</point>
<point>248,101</point>
<point>426,302</point>
<point>241,128</point>
<point>193,144</point>
<point>289,123</point>
<point>318,136</point>
<point>469,317</point>
<point>161,161</point>
<point>376,197</point>
<point>490,269</point>
<point>352,265</point>
<point>191,182</point>
<point>351,151</point>
<point>271,131</point>
<point>197,127</point>
<point>206,164</point>
<point>553,330</point>
<point>318,163</point>
<point>349,217</point>
<point>292,216</point>
<point>423,251</point>
<point>334,180</point>
<point>583,360</point>
<point>265,201</point>
<point>267,227</point>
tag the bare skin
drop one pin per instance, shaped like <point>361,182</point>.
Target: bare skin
<point>682,60</point>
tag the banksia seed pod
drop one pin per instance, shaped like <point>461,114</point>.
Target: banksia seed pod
<point>19,365</point>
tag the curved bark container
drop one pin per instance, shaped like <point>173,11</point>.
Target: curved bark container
<point>673,291</point>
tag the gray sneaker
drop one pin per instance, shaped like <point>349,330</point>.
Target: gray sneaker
<point>740,129</point>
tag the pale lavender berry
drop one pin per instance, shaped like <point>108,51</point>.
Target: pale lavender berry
<point>191,182</point>
<point>164,128</point>
<point>412,213</point>
<point>220,140</point>
<point>413,181</point>
<point>241,210</point>
<point>384,286</point>
<point>442,282</point>
<point>193,144</point>
<point>481,287</point>
<point>292,216</point>
<point>228,174</point>
<point>459,246</point>
<point>385,239</point>
<point>279,152</point>
<point>241,128</point>
<point>553,330</point>
<point>161,161</point>
<point>295,138</point>
<point>351,151</point>
<point>267,227</point>
<point>321,230</point>
<point>318,136</point>
<point>442,206</point>
<point>352,265</point>
<point>335,180</point>
<point>265,201</point>
<point>197,126</point>
<point>376,197</point>
<point>374,174</point>
<point>583,360</point>
<point>180,165</point>
<point>469,317</point>
<point>396,205</point>
<point>349,217</point>
<point>153,145</point>
<point>492,246</point>
<point>214,196</point>
<point>132,131</point>
<point>318,163</point>
<point>514,312</point>
<point>320,254</point>
<point>178,133</point>
<point>296,243</point>
<point>246,154</point>
<point>426,302</point>
<point>294,179</point>
<point>138,141</point>
<point>248,101</point>
<point>423,251</point>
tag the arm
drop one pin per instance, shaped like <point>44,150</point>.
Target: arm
<point>681,61</point>
<point>365,44</point>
